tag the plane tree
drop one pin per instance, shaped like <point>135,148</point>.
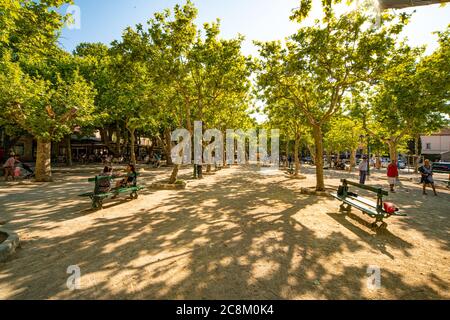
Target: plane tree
<point>319,65</point>
<point>41,90</point>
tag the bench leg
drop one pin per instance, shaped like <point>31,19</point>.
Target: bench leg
<point>382,226</point>
<point>345,208</point>
<point>97,204</point>
<point>134,195</point>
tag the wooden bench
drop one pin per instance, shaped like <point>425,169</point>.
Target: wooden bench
<point>373,209</point>
<point>97,197</point>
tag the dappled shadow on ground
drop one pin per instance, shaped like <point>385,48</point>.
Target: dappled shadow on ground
<point>239,238</point>
<point>428,215</point>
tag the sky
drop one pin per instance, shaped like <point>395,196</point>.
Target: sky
<point>263,20</point>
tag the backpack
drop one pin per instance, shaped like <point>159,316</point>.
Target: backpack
<point>341,190</point>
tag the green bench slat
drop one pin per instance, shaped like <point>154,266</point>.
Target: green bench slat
<point>354,203</point>
<point>364,200</point>
<point>105,195</point>
<point>89,194</point>
<point>99,178</point>
<point>369,188</point>
<point>358,206</point>
<point>365,209</point>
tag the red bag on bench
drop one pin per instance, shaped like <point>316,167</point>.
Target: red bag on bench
<point>390,208</point>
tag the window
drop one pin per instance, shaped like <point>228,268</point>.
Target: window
<point>428,146</point>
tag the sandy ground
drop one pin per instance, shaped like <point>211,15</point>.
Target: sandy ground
<point>240,234</point>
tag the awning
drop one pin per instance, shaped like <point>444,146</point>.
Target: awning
<point>400,4</point>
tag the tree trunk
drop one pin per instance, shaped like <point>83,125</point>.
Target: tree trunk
<point>393,150</point>
<point>69,150</point>
<point>132,146</point>
<point>318,139</point>
<point>287,151</point>
<point>174,175</point>
<point>378,162</point>
<point>416,154</point>
<point>118,150</point>
<point>43,161</point>
<point>168,146</point>
<point>352,160</point>
<point>312,152</point>
<point>297,159</point>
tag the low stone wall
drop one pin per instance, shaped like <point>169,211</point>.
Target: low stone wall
<point>8,247</point>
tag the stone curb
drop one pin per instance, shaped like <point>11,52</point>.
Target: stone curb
<point>8,247</point>
<point>312,192</point>
<point>166,186</point>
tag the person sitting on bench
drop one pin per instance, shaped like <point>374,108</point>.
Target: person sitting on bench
<point>126,182</point>
<point>104,185</point>
<point>129,181</point>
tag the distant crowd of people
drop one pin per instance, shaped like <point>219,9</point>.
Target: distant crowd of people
<point>11,169</point>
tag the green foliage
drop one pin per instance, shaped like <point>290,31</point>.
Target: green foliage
<point>344,134</point>
<point>30,28</point>
<point>41,89</point>
<point>412,96</point>
<point>321,64</point>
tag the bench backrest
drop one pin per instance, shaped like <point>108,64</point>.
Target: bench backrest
<point>363,186</point>
<point>380,192</point>
<point>99,178</point>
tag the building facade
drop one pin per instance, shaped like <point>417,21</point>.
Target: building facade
<point>437,145</point>
<point>82,149</point>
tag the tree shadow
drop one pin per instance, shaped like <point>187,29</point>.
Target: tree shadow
<point>241,238</point>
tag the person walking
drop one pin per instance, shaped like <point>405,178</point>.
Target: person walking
<point>284,160</point>
<point>363,169</point>
<point>392,173</point>
<point>10,166</point>
<point>427,177</point>
<point>290,161</point>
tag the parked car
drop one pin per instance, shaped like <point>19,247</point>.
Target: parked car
<point>441,166</point>
<point>307,160</point>
<point>401,164</point>
<point>385,162</point>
